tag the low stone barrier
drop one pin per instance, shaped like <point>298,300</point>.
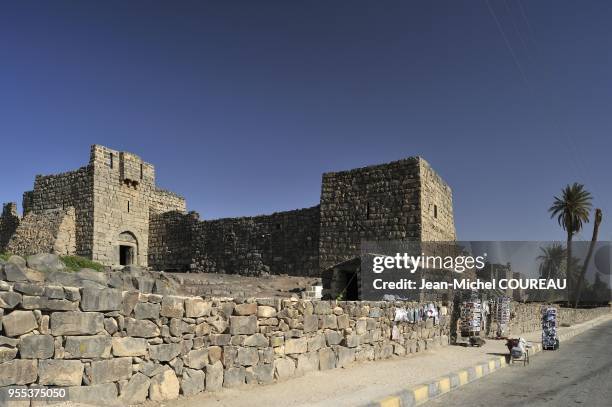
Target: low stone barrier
<point>111,346</point>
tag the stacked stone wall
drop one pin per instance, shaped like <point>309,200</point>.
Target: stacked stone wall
<point>281,243</point>
<point>9,221</point>
<point>170,240</point>
<point>109,346</point>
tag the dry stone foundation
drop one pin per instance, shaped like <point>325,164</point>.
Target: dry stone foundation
<point>111,211</point>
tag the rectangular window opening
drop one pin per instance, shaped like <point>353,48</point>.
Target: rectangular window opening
<point>436,211</point>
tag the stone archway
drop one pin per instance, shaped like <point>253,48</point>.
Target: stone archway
<point>128,249</point>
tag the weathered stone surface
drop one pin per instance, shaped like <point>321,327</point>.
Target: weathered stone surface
<point>112,370</point>
<point>54,292</point>
<point>147,310</point>
<point>246,309</point>
<point>196,359</point>
<point>257,340</point>
<point>215,353</point>
<point>164,386</point>
<point>141,328</point>
<point>130,300</point>
<point>129,346</point>
<point>76,323</point>
<point>108,299</point>
<point>18,260</point>
<point>214,376</point>
<point>192,382</point>
<point>197,307</point>
<point>284,368</point>
<point>178,327</point>
<point>18,372</point>
<point>45,262</point>
<point>110,325</point>
<point>36,347</point>
<point>19,322</point>
<point>327,359</point>
<point>15,272</point>
<point>264,374</point>
<point>265,311</point>
<point>105,394</point>
<point>247,356</point>
<point>7,354</point>
<point>136,390</point>
<point>9,299</point>
<point>234,376</point>
<point>243,325</point>
<point>11,342</point>
<point>298,345</point>
<point>311,323</point>
<point>55,372</point>
<point>332,337</point>
<point>87,347</point>
<point>345,356</point>
<point>172,307</point>
<point>165,352</point>
<point>29,288</point>
<point>307,362</point>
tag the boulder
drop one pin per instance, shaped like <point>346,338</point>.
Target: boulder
<point>164,386</point>
<point>45,262</point>
<point>76,323</point>
<point>36,347</point>
<point>136,390</point>
<point>14,272</point>
<point>192,382</point>
<point>87,347</point>
<point>214,376</point>
<point>19,322</point>
<point>129,346</point>
<point>56,372</point>
<point>107,299</point>
<point>92,275</point>
<point>18,260</point>
<point>18,372</point>
<point>112,370</point>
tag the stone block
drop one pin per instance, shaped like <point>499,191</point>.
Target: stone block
<point>128,346</point>
<point>197,307</point>
<point>107,299</point>
<point>105,394</point>
<point>9,299</point>
<point>130,300</point>
<point>214,376</point>
<point>196,359</point>
<point>14,273</point>
<point>264,374</point>
<point>19,322</point>
<point>36,347</point>
<point>45,262</point>
<point>76,323</point>
<point>247,356</point>
<point>55,372</point>
<point>327,359</point>
<point>298,345</point>
<point>192,382</point>
<point>243,325</point>
<point>87,347</point>
<point>332,337</point>
<point>112,370</point>
<point>18,372</point>
<point>215,353</point>
<point>141,328</point>
<point>265,311</point>
<point>147,310</point>
<point>29,288</point>
<point>164,352</point>
<point>311,323</point>
<point>307,362</point>
<point>172,307</point>
<point>54,292</point>
<point>245,309</point>
<point>344,356</point>
<point>234,377</point>
<point>136,390</point>
<point>257,340</point>
<point>7,354</point>
<point>284,368</point>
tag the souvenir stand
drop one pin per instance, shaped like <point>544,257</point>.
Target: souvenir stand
<point>500,314</point>
<point>550,340</point>
<point>471,316</point>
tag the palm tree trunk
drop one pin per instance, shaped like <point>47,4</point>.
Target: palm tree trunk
<point>568,271</point>
<point>598,218</point>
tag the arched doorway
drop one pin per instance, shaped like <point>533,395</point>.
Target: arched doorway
<point>128,248</point>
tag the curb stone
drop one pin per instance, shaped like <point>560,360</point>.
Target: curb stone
<point>421,393</point>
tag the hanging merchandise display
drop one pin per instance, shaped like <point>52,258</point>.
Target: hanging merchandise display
<point>500,314</point>
<point>471,317</point>
<point>550,340</point>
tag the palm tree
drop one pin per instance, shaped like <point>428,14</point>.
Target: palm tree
<point>572,210</point>
<point>551,261</point>
<point>596,223</point>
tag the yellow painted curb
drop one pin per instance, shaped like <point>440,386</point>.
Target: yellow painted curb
<point>392,401</point>
<point>478,370</point>
<point>491,366</point>
<point>420,394</point>
<point>444,385</point>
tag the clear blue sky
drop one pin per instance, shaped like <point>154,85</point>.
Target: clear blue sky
<point>242,105</point>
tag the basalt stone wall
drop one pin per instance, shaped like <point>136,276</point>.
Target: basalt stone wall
<point>9,220</point>
<point>170,240</point>
<point>109,346</point>
<point>281,243</point>
<point>401,200</point>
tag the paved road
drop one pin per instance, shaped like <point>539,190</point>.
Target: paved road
<point>578,374</point>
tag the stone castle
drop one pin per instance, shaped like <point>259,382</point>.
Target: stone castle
<point>112,212</point>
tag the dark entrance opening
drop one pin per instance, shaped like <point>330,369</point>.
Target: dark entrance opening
<point>350,281</point>
<point>126,255</point>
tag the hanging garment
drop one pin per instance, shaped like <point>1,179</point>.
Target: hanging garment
<point>395,333</point>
